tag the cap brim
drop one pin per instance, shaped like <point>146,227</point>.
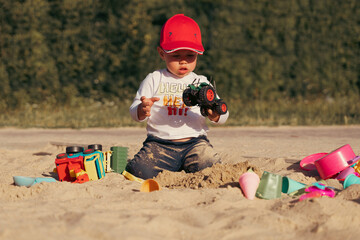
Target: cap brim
<point>184,48</point>
<point>183,45</point>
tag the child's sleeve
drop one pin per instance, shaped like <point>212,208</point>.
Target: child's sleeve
<point>222,118</point>
<point>146,89</point>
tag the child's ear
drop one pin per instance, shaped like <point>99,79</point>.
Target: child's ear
<point>161,53</point>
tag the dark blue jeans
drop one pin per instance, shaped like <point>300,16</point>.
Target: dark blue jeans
<point>158,154</point>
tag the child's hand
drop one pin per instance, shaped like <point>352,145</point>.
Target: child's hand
<point>144,107</point>
<point>213,115</point>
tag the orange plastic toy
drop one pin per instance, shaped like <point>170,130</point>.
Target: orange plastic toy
<point>81,176</point>
<point>66,167</point>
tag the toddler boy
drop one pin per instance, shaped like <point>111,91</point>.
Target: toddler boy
<point>176,134</point>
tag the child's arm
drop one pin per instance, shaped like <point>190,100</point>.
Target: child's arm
<point>143,109</point>
<point>146,91</point>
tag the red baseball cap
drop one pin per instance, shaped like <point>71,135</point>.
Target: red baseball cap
<point>181,32</point>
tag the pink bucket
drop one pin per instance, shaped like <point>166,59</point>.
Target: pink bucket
<point>335,162</point>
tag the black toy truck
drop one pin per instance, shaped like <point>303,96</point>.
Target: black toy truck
<point>204,95</point>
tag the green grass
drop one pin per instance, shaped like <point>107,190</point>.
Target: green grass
<point>82,114</point>
<point>341,111</point>
<point>89,113</point>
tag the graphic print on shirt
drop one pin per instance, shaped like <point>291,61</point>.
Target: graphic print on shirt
<point>172,93</point>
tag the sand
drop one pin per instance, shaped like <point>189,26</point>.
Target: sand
<point>205,205</point>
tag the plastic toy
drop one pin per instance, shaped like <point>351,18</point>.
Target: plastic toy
<point>270,186</point>
<point>336,161</point>
<point>289,185</point>
<point>308,163</point>
<point>131,177</point>
<point>357,168</point>
<point>318,190</point>
<point>65,166</point>
<point>95,147</point>
<point>81,176</point>
<point>148,185</point>
<point>118,158</point>
<point>350,180</point>
<point>30,181</point>
<point>89,164</point>
<point>310,195</point>
<point>107,161</point>
<point>94,164</point>
<point>204,95</point>
<point>79,165</point>
<point>249,182</point>
<point>346,172</point>
<point>74,149</point>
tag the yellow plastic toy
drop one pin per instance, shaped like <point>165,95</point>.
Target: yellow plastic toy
<point>90,168</point>
<point>357,167</point>
<point>94,164</point>
<point>107,161</point>
<point>79,173</point>
<point>131,177</point>
<point>148,185</point>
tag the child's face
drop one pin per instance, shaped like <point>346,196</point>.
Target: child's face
<point>179,63</point>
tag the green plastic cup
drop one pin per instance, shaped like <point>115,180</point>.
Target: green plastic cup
<point>118,158</point>
<point>350,180</point>
<point>289,185</point>
<point>270,186</point>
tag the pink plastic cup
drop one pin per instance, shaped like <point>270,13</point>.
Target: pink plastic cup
<point>346,172</point>
<point>249,183</point>
<point>308,163</point>
<point>335,162</point>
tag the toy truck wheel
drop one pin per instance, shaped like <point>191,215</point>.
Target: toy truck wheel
<point>61,156</point>
<point>188,98</point>
<point>203,111</point>
<point>207,95</point>
<point>74,149</point>
<point>95,147</point>
<point>221,107</point>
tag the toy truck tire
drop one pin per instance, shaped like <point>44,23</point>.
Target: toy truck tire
<point>95,147</point>
<point>221,107</point>
<point>207,96</point>
<point>188,98</point>
<point>74,149</point>
<point>203,111</point>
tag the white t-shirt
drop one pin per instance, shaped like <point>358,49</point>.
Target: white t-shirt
<point>170,117</point>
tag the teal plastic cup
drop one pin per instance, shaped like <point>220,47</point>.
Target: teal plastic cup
<point>270,186</point>
<point>350,180</point>
<point>289,185</point>
<point>118,158</point>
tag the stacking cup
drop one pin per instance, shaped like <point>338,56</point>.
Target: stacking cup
<point>289,185</point>
<point>270,186</point>
<point>346,172</point>
<point>249,182</point>
<point>119,157</point>
<point>149,185</point>
<point>350,180</point>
